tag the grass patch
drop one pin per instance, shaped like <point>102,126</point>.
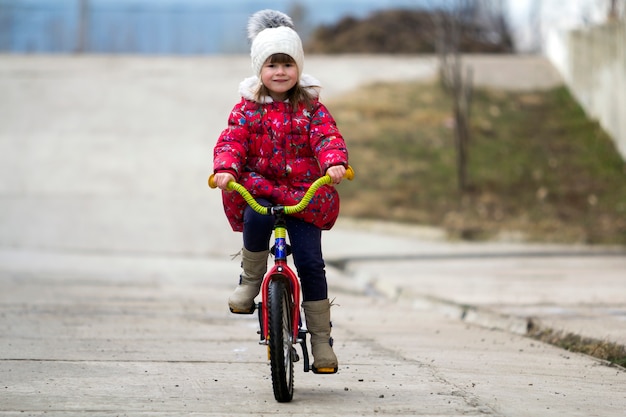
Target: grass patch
<point>607,351</point>
<point>537,166</point>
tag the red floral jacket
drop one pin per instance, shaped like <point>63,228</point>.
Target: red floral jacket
<point>276,153</point>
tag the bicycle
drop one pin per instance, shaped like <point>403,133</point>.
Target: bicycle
<point>279,310</point>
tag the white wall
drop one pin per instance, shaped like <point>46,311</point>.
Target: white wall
<point>534,21</point>
<point>596,75</point>
<point>588,51</point>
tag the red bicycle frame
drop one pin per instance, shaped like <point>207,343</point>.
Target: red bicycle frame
<point>282,270</point>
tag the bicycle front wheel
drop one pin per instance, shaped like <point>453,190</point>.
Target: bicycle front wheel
<point>280,341</point>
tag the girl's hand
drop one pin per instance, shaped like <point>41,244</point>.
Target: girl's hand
<point>336,173</point>
<point>222,179</point>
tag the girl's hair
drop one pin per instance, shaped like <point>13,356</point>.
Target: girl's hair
<point>297,94</point>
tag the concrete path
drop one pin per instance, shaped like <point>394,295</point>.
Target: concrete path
<point>115,268</point>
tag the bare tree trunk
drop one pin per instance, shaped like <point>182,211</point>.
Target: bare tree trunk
<point>462,100</point>
<point>612,15</point>
<point>459,88</point>
<point>83,27</point>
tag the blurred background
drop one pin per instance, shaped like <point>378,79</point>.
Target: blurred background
<point>109,110</point>
<point>218,27</point>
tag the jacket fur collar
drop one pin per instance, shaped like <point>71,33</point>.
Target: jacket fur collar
<point>248,88</point>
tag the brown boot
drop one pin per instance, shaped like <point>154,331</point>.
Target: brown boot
<point>254,265</point>
<point>317,314</point>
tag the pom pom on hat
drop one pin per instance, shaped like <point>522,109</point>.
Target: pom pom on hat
<point>267,19</point>
<point>272,32</point>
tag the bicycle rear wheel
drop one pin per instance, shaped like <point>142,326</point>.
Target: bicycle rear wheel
<point>280,341</point>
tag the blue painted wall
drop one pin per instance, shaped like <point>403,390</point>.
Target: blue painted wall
<point>154,26</point>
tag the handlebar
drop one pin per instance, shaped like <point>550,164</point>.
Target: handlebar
<point>235,186</point>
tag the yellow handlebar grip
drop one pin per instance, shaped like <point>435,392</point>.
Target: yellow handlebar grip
<point>349,173</point>
<point>212,183</point>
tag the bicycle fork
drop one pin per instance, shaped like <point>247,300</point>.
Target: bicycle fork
<point>281,271</point>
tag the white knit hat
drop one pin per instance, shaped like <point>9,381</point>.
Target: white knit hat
<point>272,32</point>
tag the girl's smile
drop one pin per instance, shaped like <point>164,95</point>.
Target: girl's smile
<point>279,78</point>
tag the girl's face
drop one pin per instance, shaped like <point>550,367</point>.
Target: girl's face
<point>279,76</point>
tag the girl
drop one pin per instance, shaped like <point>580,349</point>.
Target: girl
<point>279,140</point>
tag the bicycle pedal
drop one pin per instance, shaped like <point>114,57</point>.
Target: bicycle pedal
<point>324,370</point>
<point>250,311</point>
<point>294,356</point>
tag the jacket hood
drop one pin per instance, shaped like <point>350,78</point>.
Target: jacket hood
<point>248,87</point>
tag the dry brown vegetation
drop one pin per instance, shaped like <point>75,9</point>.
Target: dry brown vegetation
<point>538,168</point>
<point>400,31</point>
<point>611,352</point>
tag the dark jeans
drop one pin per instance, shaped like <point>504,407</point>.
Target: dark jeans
<point>306,247</point>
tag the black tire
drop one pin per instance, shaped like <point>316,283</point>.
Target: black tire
<point>280,341</point>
